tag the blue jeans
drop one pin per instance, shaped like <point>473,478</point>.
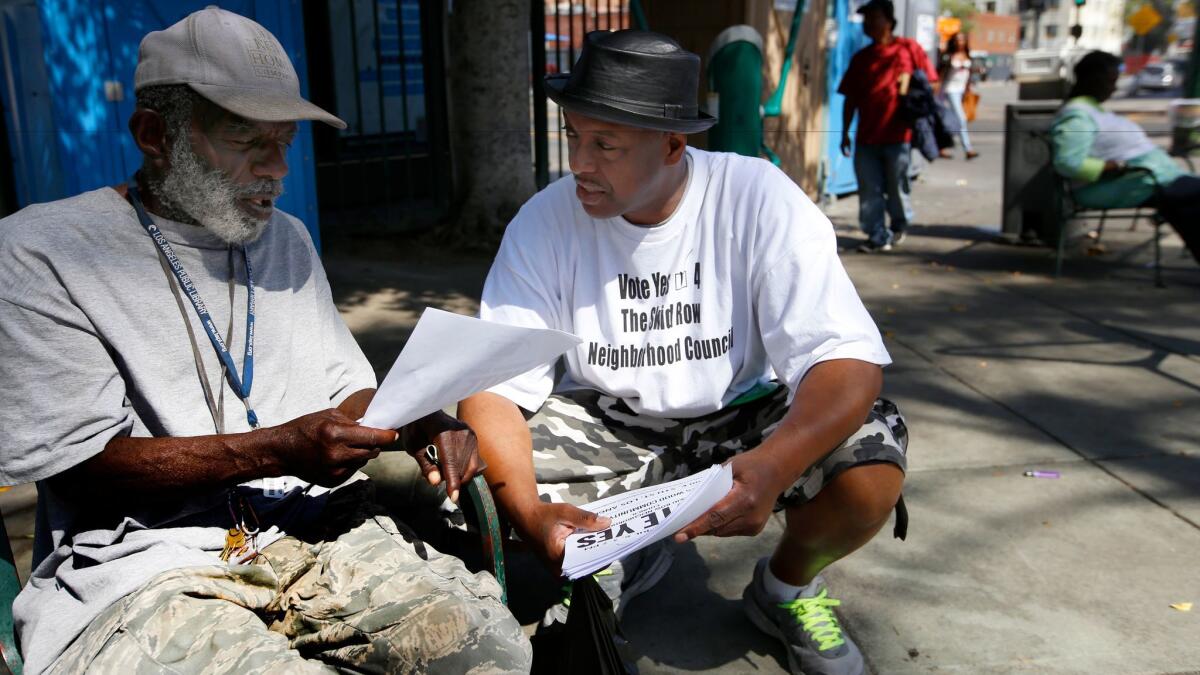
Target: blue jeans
<point>954,98</point>
<point>882,172</point>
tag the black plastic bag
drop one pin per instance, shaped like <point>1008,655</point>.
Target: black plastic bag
<point>584,645</point>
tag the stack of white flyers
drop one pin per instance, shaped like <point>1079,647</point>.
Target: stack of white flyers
<point>642,517</point>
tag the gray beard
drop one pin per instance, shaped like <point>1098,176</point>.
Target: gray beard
<point>192,192</point>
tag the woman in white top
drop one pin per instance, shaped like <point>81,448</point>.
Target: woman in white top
<point>955,77</point>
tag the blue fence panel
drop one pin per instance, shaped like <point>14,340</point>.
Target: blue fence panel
<point>839,176</point>
<point>78,63</point>
<point>29,112</point>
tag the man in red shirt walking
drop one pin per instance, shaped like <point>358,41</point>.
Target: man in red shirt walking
<point>878,76</point>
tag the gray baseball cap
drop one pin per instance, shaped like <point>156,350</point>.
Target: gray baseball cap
<point>233,62</point>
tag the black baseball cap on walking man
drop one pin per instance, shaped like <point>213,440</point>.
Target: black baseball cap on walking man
<point>885,6</point>
<point>634,77</point>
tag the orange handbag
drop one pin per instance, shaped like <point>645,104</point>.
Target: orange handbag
<point>970,104</point>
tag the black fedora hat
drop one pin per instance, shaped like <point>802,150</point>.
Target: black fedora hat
<point>634,77</point>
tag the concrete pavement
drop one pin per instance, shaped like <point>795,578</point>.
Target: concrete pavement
<point>999,369</point>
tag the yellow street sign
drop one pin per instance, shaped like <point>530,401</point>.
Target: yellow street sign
<point>1145,19</point>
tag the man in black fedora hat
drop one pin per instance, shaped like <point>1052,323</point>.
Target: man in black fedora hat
<point>714,311</point>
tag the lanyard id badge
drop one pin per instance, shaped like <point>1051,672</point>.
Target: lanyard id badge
<point>240,385</point>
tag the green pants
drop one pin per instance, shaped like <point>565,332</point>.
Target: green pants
<point>358,596</point>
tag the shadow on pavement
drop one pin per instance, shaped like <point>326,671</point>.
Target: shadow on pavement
<point>682,624</point>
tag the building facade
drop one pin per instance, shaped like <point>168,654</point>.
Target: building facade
<point>1001,7</point>
<point>995,34</point>
<point>1102,23</point>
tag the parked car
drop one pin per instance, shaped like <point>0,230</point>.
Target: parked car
<point>979,66</point>
<point>1161,76</point>
<point>1045,73</point>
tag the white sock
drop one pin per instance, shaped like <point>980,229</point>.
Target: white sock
<point>778,590</point>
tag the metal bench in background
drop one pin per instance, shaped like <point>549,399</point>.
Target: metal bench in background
<point>1067,209</point>
<point>10,585</point>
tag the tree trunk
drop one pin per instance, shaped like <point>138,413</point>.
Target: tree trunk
<point>488,93</point>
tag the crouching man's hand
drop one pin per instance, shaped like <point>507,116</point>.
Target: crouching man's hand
<point>745,510</point>
<point>546,526</point>
<point>325,447</point>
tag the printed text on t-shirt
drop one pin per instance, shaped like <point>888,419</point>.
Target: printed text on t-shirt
<point>659,318</point>
<point>659,284</point>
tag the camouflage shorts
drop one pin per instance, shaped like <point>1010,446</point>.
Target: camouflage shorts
<point>587,445</point>
<point>360,596</point>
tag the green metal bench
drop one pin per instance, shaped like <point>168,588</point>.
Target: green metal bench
<point>490,532</point>
<point>1068,209</point>
<point>10,583</point>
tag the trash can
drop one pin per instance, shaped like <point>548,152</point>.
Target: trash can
<point>735,62</point>
<point>1029,182</point>
<point>1184,117</point>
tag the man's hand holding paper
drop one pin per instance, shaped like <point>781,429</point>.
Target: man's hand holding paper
<point>642,517</point>
<point>448,358</point>
<point>747,507</point>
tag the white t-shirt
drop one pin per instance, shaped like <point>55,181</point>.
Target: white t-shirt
<point>1117,137</point>
<point>960,74</point>
<point>741,283</point>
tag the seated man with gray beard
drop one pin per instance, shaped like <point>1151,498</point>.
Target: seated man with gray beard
<point>180,386</point>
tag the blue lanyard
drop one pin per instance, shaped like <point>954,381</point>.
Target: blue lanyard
<point>240,386</point>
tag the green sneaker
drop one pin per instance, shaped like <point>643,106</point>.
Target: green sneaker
<point>815,641</point>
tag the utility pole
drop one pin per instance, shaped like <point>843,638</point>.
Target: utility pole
<point>1192,88</point>
<point>1036,7</point>
<point>1077,28</point>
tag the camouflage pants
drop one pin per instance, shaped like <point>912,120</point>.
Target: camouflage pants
<point>358,596</point>
<point>587,445</point>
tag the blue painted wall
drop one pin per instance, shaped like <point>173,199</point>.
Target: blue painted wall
<point>29,117</point>
<point>68,136</point>
<point>839,177</point>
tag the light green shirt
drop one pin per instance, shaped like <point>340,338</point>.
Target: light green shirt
<point>1073,133</point>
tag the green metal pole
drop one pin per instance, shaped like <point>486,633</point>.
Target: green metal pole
<point>774,106</point>
<point>639,16</point>
<point>1192,88</point>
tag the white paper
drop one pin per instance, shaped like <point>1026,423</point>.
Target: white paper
<point>450,357</point>
<point>642,517</point>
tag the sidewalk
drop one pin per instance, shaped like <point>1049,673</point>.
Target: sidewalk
<point>999,369</point>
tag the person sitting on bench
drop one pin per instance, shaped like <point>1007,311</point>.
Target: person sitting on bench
<point>1099,150</point>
